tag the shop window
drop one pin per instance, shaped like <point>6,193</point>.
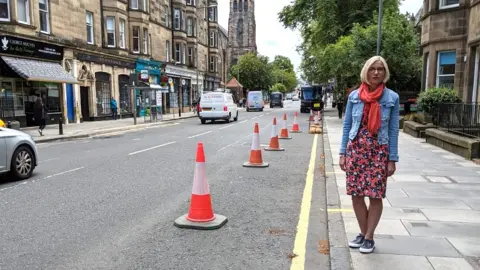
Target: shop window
<point>111,31</point>
<point>449,3</point>
<point>145,40</point>
<point>136,39</point>
<point>44,16</point>
<point>50,93</point>
<point>125,100</point>
<point>446,69</point>
<point>4,10</point>
<point>7,100</point>
<point>23,11</point>
<point>121,30</point>
<point>89,20</point>
<point>104,92</point>
<point>186,94</point>
<point>134,4</point>
<point>176,19</point>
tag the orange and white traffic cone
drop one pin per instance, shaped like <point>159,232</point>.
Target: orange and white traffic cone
<point>284,132</point>
<point>315,122</point>
<point>274,144</point>
<point>200,215</point>
<point>311,115</point>
<point>295,128</point>
<point>256,159</point>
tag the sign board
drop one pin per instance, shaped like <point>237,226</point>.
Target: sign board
<point>104,60</point>
<point>30,48</point>
<point>144,75</point>
<point>159,98</point>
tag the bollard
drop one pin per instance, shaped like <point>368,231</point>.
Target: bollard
<point>9,124</point>
<point>60,126</point>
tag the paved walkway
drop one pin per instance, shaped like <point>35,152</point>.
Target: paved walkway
<point>431,216</point>
<point>85,129</point>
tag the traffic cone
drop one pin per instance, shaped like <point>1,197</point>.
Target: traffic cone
<point>315,122</point>
<point>255,152</point>
<point>200,215</point>
<point>284,132</point>
<point>295,128</point>
<point>311,115</point>
<point>274,144</point>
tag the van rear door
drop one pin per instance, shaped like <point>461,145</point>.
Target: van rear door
<point>213,102</point>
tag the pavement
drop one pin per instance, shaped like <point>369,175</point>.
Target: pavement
<point>88,129</point>
<point>109,202</point>
<point>431,216</point>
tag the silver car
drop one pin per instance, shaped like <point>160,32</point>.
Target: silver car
<point>18,153</point>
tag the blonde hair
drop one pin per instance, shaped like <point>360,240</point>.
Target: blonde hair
<point>369,63</point>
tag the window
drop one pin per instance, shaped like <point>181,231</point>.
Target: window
<point>136,39</point>
<point>184,24</point>
<point>145,40</point>
<point>195,57</point>
<point>213,64</point>
<point>121,30</point>
<point>4,10</point>
<point>167,15</point>
<point>23,11</point>
<point>213,39</point>
<point>145,5</point>
<point>212,14</point>
<point>111,31</point>
<point>449,3</point>
<point>189,2</point>
<point>134,4</point>
<point>90,27</point>
<point>177,53</point>
<point>190,56</point>
<point>446,69</point>
<point>190,27</point>
<point>167,51</point>
<point>235,5</point>
<point>245,6</point>
<point>176,19</point>
<point>184,54</point>
<point>194,27</point>
<point>44,18</point>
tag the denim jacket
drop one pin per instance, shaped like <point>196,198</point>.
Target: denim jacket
<point>389,129</point>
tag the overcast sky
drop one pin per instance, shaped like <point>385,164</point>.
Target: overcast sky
<point>272,38</point>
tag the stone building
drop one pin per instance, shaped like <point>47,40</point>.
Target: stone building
<point>223,60</point>
<point>450,45</point>
<point>241,30</point>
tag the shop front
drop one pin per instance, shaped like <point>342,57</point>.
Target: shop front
<point>149,72</point>
<point>30,70</point>
<point>212,83</point>
<point>183,89</point>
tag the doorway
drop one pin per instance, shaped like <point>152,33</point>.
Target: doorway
<point>85,104</point>
<point>70,103</point>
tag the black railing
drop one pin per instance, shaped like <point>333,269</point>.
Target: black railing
<point>459,118</point>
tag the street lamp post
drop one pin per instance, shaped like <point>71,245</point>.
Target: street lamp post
<point>379,31</point>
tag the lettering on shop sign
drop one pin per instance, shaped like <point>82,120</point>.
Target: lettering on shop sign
<point>104,60</point>
<point>30,48</point>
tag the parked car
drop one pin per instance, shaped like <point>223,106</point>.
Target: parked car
<point>276,99</point>
<point>255,101</point>
<point>18,154</point>
<point>217,106</point>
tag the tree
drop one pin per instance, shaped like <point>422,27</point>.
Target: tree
<point>252,71</point>
<point>278,87</point>
<point>285,77</point>
<point>283,63</point>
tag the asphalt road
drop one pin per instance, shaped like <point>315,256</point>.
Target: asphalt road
<point>110,202</point>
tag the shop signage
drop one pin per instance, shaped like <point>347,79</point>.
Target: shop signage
<point>104,60</point>
<point>213,79</point>
<point>30,48</point>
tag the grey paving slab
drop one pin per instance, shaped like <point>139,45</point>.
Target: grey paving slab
<point>346,201</point>
<point>473,203</point>
<point>389,261</point>
<point>462,186</point>
<point>396,193</point>
<point>396,213</point>
<point>468,164</point>
<point>441,229</point>
<point>419,185</point>
<point>439,193</point>
<point>386,226</point>
<point>413,245</point>
<point>442,263</point>
<point>466,179</point>
<point>438,179</point>
<point>470,216</point>
<point>409,178</point>
<point>467,246</point>
<point>428,203</point>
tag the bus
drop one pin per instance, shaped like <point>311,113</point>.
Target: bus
<point>311,98</point>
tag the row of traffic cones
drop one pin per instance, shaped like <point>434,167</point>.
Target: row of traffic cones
<point>200,214</point>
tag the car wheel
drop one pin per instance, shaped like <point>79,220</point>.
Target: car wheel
<point>203,121</point>
<point>248,110</point>
<point>236,117</point>
<point>23,163</point>
<point>229,117</point>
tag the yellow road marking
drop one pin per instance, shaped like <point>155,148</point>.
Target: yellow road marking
<point>299,248</point>
<point>344,210</point>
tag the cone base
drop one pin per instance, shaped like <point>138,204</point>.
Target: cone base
<point>274,149</point>
<point>183,223</point>
<point>295,131</point>
<point>284,138</point>
<point>255,165</point>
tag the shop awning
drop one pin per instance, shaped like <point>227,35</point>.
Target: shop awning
<point>155,86</point>
<point>39,71</point>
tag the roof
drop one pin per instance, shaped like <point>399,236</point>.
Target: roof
<point>233,83</point>
<point>223,30</point>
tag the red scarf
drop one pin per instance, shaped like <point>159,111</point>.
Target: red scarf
<point>372,107</point>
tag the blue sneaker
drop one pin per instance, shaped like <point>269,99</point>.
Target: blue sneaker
<point>357,242</point>
<point>368,246</point>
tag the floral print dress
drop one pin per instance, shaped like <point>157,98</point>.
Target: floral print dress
<point>366,164</point>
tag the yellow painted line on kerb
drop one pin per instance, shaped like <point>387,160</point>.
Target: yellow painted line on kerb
<point>341,210</point>
<point>299,248</point>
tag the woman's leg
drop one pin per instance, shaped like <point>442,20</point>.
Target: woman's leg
<point>374,213</point>
<point>361,212</point>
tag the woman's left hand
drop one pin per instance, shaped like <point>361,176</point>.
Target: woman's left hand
<point>391,168</point>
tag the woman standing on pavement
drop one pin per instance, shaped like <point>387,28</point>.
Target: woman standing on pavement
<point>369,148</point>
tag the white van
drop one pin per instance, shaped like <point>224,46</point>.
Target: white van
<point>217,106</point>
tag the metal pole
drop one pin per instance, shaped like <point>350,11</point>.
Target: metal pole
<point>379,32</point>
<point>134,104</point>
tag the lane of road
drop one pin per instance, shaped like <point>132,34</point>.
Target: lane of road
<point>111,202</point>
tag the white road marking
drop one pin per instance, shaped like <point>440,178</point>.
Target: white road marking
<point>136,139</point>
<point>226,126</point>
<point>200,134</point>
<point>47,160</point>
<point>254,117</point>
<point>151,148</point>
<point>232,144</point>
<point>242,121</point>
<point>44,178</point>
<point>163,125</point>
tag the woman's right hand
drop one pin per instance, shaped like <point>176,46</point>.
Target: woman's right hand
<point>342,163</point>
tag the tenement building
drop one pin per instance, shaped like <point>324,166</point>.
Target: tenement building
<point>79,54</point>
<point>241,30</point>
<point>450,44</point>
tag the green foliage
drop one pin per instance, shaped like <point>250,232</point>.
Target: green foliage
<point>429,98</point>
<point>278,87</point>
<point>282,63</point>
<point>285,77</point>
